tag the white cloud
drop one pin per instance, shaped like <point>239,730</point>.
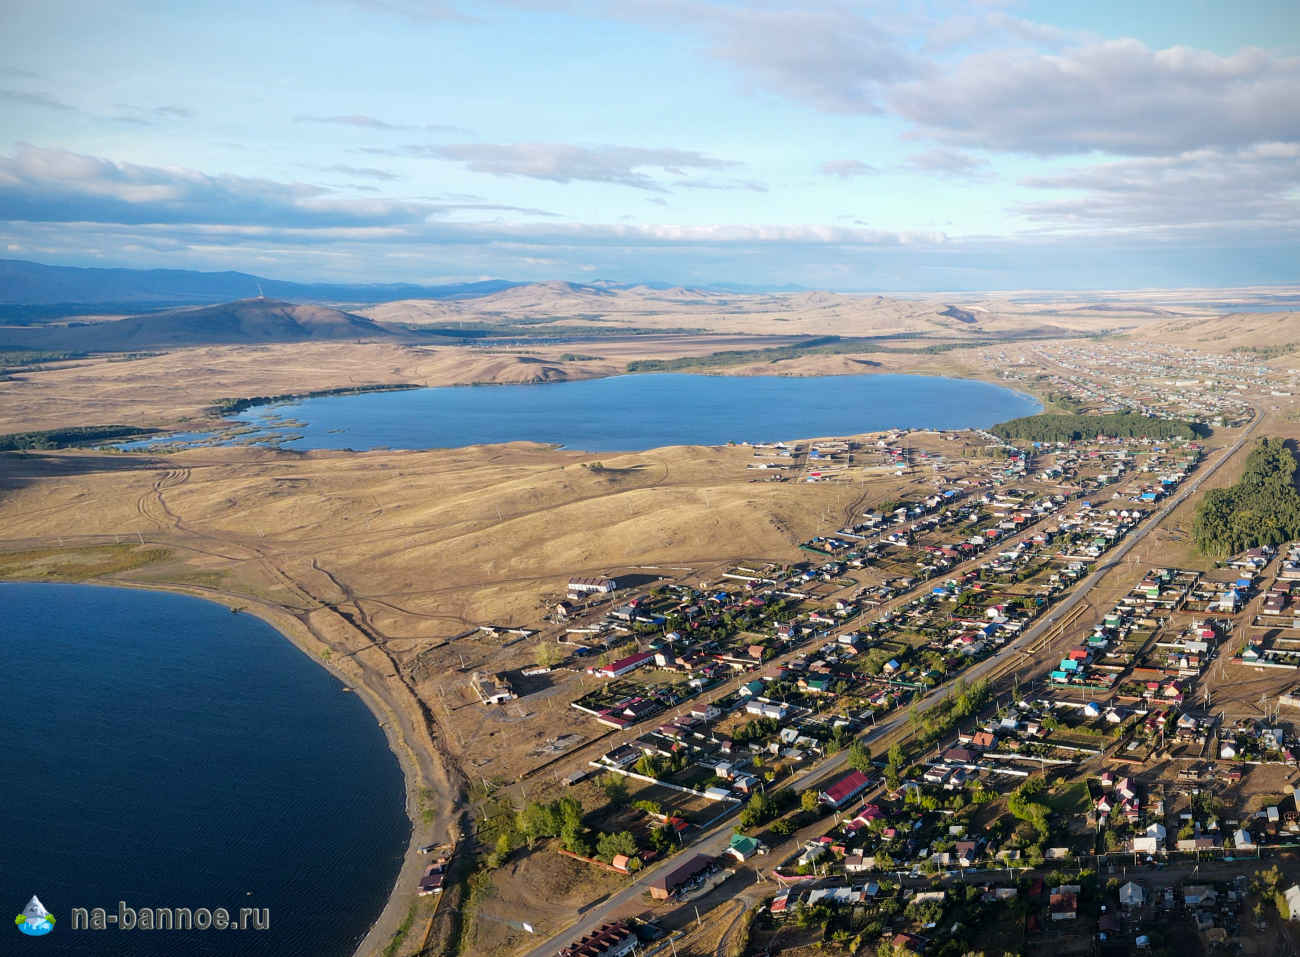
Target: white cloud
<point>44,100</point>
<point>946,162</point>
<point>362,121</point>
<point>846,169</point>
<point>48,185</point>
<point>565,163</point>
<point>1254,189</point>
<point>1116,96</point>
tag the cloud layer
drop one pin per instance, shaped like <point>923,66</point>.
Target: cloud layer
<point>566,163</point>
<point>1117,96</point>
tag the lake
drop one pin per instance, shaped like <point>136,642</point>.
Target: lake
<point>162,751</point>
<point>636,412</point>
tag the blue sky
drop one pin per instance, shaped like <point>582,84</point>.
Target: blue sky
<point>946,145</point>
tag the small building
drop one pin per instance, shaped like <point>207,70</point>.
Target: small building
<point>625,665</point>
<point>742,847</point>
<point>592,586</point>
<point>1131,896</point>
<point>845,789</point>
<point>609,940</point>
<point>492,689</point>
<point>1064,903</point>
<point>767,709</point>
<point>667,884</point>
<point>1292,895</point>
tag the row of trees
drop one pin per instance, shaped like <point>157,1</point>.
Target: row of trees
<point>563,819</point>
<point>963,703</point>
<point>1263,508</point>
<point>63,438</point>
<point>822,345</point>
<point>1063,427</point>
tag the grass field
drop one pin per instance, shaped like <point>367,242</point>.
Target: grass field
<point>76,564</point>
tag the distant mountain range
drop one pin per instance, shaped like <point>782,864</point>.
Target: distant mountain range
<point>53,291</point>
<point>29,283</point>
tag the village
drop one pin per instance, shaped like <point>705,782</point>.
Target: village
<point>1141,779</point>
<point>915,738</point>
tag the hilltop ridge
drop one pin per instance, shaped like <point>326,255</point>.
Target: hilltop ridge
<point>244,321</point>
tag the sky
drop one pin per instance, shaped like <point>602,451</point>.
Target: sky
<point>943,145</point>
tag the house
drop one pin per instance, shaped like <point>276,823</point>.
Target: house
<point>864,817</point>
<point>845,789</point>
<point>1195,895</point>
<point>908,944</point>
<point>1292,895</point>
<point>1151,842</point>
<point>492,689</point>
<point>813,851</point>
<point>625,665</point>
<point>1242,840</point>
<point>432,879</point>
<point>1131,896</point>
<point>742,848</point>
<point>856,863</point>
<point>667,884</point>
<point>767,709</point>
<point>1064,903</point>
<point>966,853</point>
<point>609,940</point>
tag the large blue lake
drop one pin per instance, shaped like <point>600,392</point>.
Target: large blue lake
<point>161,751</point>
<point>636,412</point>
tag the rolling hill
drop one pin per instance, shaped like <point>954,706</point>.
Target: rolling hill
<point>1243,331</point>
<point>67,287</point>
<point>243,322</point>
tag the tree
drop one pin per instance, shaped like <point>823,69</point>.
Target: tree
<point>609,846</point>
<point>575,841</point>
<point>569,811</point>
<point>758,811</point>
<point>649,765</point>
<point>501,851</point>
<point>859,757</point>
<point>538,820</point>
<point>808,800</point>
<point>550,654</point>
<point>615,788</point>
<point>894,767</point>
<point>1025,805</point>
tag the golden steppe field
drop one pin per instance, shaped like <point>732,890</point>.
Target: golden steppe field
<point>384,565</point>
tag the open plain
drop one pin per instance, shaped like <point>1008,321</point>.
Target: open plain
<point>410,573</point>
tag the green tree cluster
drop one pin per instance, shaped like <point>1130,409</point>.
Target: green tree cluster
<point>63,438</point>
<point>822,345</point>
<point>1026,804</point>
<point>609,846</point>
<point>1263,508</point>
<point>1065,427</point>
<point>562,819</point>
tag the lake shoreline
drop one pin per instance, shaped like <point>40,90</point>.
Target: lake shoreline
<point>393,715</point>
<point>447,421</point>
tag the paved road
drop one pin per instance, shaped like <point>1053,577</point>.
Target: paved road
<point>715,841</point>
